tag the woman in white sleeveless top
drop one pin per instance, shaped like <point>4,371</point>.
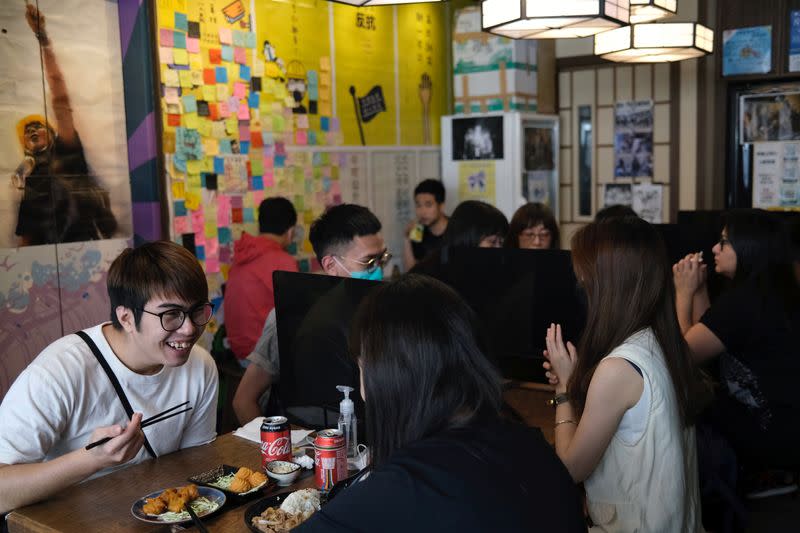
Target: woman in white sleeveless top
<point>623,397</point>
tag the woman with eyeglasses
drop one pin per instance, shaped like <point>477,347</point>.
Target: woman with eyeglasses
<point>533,227</point>
<point>752,328</point>
<point>442,457</point>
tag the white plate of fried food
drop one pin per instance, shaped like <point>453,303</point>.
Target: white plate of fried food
<point>237,481</point>
<point>167,506</point>
<point>282,512</point>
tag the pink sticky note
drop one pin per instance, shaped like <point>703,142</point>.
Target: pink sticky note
<point>167,37</point>
<point>244,112</point>
<point>239,90</point>
<point>269,161</point>
<point>233,105</point>
<point>200,237</point>
<point>197,220</point>
<point>212,247</point>
<point>225,254</point>
<point>335,188</point>
<point>269,178</point>
<point>212,264</point>
<point>225,36</point>
<point>181,225</point>
<point>223,211</point>
<point>240,55</point>
<point>244,132</point>
<point>165,55</point>
<point>301,137</point>
<point>193,45</point>
<point>236,201</point>
<point>257,197</point>
<point>224,110</point>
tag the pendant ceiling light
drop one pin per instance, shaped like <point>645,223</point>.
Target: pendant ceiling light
<point>360,3</point>
<point>650,10</point>
<point>553,19</point>
<point>655,43</point>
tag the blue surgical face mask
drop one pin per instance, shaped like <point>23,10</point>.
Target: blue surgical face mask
<point>375,275</point>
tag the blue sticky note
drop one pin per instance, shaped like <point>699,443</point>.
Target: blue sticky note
<point>180,208</point>
<point>189,104</point>
<point>181,21</point>
<point>238,38</point>
<point>312,78</point>
<point>244,147</point>
<point>224,235</point>
<point>244,72</point>
<point>203,180</point>
<point>249,39</point>
<point>225,147</point>
<point>179,160</point>
<point>326,184</point>
<point>316,159</point>
<point>248,215</point>
<point>258,183</point>
<point>222,75</point>
<point>324,123</point>
<point>179,39</point>
<point>312,137</point>
<point>313,92</point>
<point>200,252</point>
<point>227,53</point>
<point>219,165</point>
<point>280,161</point>
<point>254,100</point>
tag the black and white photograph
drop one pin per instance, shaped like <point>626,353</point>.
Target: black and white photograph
<point>633,139</point>
<point>770,117</point>
<point>618,194</point>
<point>478,138</point>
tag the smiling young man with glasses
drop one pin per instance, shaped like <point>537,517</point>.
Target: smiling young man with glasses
<point>65,399</point>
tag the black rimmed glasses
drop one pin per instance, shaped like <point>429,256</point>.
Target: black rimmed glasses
<point>172,319</point>
<point>373,263</point>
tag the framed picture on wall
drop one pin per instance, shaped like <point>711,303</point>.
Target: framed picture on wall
<point>477,138</point>
<point>770,117</point>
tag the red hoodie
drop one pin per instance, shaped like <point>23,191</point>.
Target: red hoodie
<point>249,294</point>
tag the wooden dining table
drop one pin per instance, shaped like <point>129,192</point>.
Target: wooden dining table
<point>104,504</point>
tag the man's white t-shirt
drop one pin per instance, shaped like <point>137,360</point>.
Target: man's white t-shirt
<point>64,395</point>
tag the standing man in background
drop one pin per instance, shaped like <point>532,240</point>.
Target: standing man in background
<point>425,234</point>
<point>249,295</point>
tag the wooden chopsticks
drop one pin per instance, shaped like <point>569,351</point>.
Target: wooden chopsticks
<point>160,417</point>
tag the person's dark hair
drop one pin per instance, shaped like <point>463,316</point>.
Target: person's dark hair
<point>339,225</point>
<point>433,187</point>
<point>763,252</point>
<point>154,269</point>
<point>614,211</point>
<point>423,362</point>
<point>530,215</point>
<point>622,265</point>
<point>276,215</point>
<point>471,222</point>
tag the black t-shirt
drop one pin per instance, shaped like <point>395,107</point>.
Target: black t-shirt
<point>762,359</point>
<point>495,477</point>
<point>429,243</point>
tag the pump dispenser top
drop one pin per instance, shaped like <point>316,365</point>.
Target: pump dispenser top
<point>347,420</point>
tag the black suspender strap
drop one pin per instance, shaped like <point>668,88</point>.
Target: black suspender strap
<point>113,378</point>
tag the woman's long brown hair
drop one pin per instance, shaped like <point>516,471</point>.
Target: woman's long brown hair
<point>622,265</point>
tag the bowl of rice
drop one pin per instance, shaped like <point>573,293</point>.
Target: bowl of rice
<point>283,472</point>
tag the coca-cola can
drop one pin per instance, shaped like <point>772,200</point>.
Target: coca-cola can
<point>330,458</point>
<point>276,440</point>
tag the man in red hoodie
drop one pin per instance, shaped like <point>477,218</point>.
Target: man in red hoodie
<point>249,295</point>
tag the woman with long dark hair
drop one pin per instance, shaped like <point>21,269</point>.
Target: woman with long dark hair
<point>752,327</point>
<point>623,397</point>
<point>442,458</point>
<point>533,226</point>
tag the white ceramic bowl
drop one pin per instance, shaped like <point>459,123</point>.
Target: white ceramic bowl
<point>283,472</point>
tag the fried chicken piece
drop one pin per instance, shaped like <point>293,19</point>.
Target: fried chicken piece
<point>240,485</point>
<point>154,506</point>
<point>176,503</point>
<point>244,473</point>
<point>189,492</point>
<point>256,479</point>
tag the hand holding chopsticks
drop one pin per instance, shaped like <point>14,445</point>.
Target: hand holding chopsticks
<point>200,526</point>
<point>160,417</point>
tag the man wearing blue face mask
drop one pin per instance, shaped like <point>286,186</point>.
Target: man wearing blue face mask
<point>348,243</point>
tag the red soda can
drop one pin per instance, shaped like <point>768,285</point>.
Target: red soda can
<point>330,458</point>
<point>276,440</point>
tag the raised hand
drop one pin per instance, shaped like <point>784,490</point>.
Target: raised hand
<point>689,274</point>
<point>561,358</point>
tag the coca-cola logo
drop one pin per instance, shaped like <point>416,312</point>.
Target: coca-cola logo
<point>280,446</point>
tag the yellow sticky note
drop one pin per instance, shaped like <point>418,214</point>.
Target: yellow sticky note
<point>223,91</point>
<point>180,56</point>
<point>325,79</point>
<point>186,78</point>
<point>218,130</point>
<point>258,68</point>
<point>192,201</point>
<point>171,78</point>
<point>325,63</point>
<point>194,166</point>
<point>232,126</point>
<point>278,123</point>
<point>190,120</point>
<point>194,183</point>
<point>204,127</point>
<point>169,142</point>
<point>196,62</point>
<point>211,228</point>
<point>325,109</point>
<point>197,77</point>
<point>209,93</point>
<point>178,190</point>
<point>210,146</point>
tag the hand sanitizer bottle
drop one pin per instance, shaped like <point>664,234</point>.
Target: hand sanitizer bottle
<point>347,421</point>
